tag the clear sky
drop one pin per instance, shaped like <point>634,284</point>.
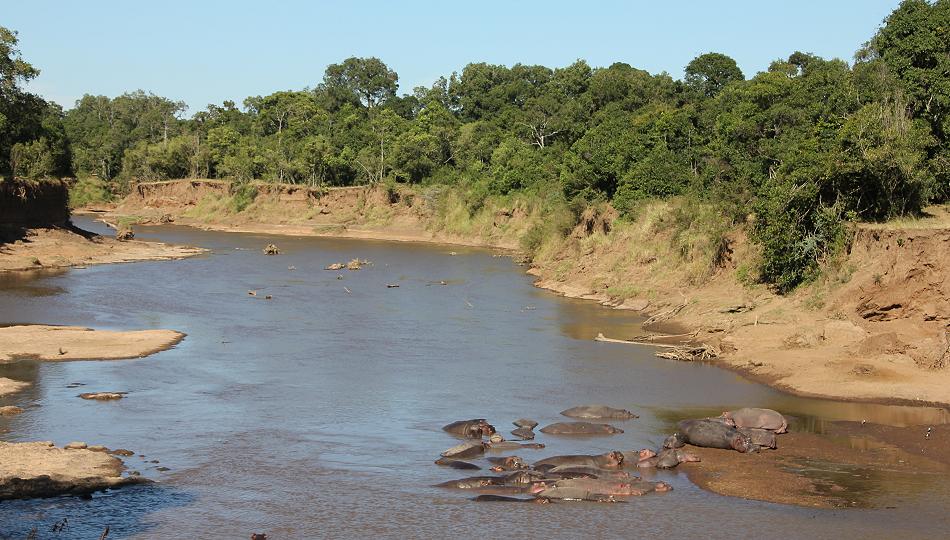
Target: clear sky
<point>209,51</point>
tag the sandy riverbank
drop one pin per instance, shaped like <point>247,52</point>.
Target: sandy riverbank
<point>40,469</point>
<point>61,247</point>
<point>850,465</point>
<point>65,343</point>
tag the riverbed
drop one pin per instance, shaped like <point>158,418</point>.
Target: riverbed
<point>317,413</point>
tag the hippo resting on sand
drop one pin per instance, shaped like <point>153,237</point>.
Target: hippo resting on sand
<point>761,437</point>
<point>598,412</point>
<point>471,429</point>
<point>711,434</point>
<point>610,460</point>
<point>580,428</point>
<point>668,458</point>
<point>757,418</point>
<point>587,489</point>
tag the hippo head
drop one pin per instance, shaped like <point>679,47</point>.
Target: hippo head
<point>613,459</point>
<point>675,440</point>
<point>686,457</point>
<point>662,487</point>
<point>537,487</point>
<point>515,462</point>
<point>727,419</point>
<point>743,443</point>
<point>645,453</point>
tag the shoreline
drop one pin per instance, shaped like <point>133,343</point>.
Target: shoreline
<point>749,486</point>
<point>680,324</point>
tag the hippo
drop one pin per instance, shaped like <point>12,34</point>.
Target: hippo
<point>590,472</point>
<point>576,487</point>
<point>525,423</point>
<point>502,498</point>
<point>509,445</point>
<point>466,450</point>
<point>456,464</point>
<point>598,412</point>
<point>757,418</point>
<point>676,440</point>
<point>502,489</point>
<point>668,458</point>
<point>471,429</point>
<point>580,428</point>
<point>523,478</point>
<point>715,434</point>
<point>762,437</point>
<point>573,494</point>
<point>523,433</point>
<point>610,460</point>
<point>632,458</point>
<point>472,482</point>
<point>507,463</point>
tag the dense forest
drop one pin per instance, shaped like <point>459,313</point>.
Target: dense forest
<point>793,153</point>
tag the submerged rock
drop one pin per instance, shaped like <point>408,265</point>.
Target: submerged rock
<point>103,396</point>
<point>10,410</point>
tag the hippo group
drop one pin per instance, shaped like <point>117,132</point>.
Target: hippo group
<point>599,477</point>
<point>573,477</point>
<point>744,430</point>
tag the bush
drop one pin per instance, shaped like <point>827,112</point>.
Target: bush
<point>242,195</point>
<point>88,191</point>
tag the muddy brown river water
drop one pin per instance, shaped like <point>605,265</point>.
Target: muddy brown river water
<point>317,414</point>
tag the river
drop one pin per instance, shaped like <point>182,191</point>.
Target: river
<point>317,413</point>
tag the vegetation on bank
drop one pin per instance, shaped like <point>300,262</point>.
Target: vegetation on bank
<point>793,153</point>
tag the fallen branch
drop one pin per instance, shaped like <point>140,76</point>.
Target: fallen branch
<point>691,353</point>
<point>668,314</point>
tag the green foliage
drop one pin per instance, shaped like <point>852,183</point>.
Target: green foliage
<point>792,153</point>
<point>709,73</point>
<point>242,195</point>
<point>88,191</point>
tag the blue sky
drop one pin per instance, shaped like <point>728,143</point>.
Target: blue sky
<point>207,52</point>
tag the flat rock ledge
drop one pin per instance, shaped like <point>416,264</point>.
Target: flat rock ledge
<point>40,469</point>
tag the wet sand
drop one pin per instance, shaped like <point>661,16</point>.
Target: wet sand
<point>831,470</point>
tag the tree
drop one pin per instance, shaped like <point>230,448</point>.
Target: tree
<point>709,73</point>
<point>368,80</point>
